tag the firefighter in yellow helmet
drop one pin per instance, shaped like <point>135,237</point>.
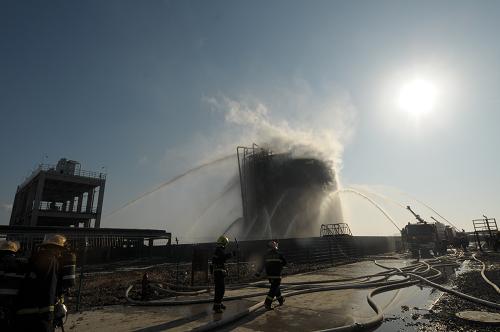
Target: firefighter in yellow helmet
<point>273,264</point>
<point>12,272</point>
<point>9,247</point>
<point>52,268</point>
<point>219,271</point>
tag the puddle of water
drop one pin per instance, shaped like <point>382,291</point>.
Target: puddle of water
<point>410,309</point>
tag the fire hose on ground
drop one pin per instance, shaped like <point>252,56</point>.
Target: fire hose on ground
<point>411,275</point>
<point>484,276</point>
<point>355,326</point>
<point>258,284</point>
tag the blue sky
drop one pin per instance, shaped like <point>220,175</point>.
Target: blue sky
<point>125,84</point>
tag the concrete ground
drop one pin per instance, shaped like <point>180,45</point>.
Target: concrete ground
<point>301,313</point>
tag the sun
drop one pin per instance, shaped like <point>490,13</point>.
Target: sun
<point>417,97</point>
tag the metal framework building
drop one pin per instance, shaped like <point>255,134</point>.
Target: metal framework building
<point>486,230</point>
<point>283,195</point>
<point>60,195</point>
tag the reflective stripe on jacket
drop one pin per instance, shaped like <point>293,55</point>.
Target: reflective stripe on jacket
<point>35,310</point>
<point>68,261</point>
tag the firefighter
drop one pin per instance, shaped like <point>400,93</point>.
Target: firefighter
<point>52,274</point>
<point>273,264</point>
<point>219,271</point>
<point>12,273</point>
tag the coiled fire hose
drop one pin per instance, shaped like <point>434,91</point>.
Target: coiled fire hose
<point>412,275</point>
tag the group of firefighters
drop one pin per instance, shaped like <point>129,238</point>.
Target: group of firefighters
<point>32,290</point>
<point>272,263</point>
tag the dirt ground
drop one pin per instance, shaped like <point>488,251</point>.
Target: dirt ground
<point>105,285</point>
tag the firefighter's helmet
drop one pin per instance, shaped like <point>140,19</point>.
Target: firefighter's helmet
<point>273,245</point>
<point>9,246</point>
<point>223,240</point>
<point>56,239</point>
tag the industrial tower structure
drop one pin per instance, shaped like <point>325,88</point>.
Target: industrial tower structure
<point>60,195</point>
<point>285,196</point>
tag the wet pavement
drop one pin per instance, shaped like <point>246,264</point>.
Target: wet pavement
<point>407,309</point>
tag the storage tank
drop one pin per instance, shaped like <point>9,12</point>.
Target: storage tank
<point>285,196</point>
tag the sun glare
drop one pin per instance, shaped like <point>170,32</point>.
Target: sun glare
<point>417,97</point>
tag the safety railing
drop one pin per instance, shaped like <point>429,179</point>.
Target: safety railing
<point>335,229</point>
<point>485,230</point>
<point>53,169</point>
<point>75,172</point>
<point>60,207</point>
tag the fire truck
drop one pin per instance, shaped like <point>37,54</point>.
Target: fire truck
<point>422,237</point>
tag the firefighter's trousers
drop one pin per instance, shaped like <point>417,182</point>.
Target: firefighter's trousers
<point>274,291</point>
<point>220,287</point>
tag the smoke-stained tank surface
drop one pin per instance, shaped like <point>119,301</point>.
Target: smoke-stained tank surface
<point>285,196</point>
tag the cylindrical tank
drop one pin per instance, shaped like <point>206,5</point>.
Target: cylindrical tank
<point>286,197</point>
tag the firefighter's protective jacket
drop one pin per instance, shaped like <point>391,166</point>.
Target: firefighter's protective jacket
<point>12,273</point>
<point>219,259</point>
<point>273,264</point>
<point>52,274</point>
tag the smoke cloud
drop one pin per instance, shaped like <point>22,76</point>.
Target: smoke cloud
<point>200,205</point>
<point>296,132</point>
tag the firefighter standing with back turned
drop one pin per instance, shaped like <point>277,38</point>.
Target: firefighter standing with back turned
<point>273,264</point>
<point>219,270</point>
<point>12,273</point>
<point>52,268</point>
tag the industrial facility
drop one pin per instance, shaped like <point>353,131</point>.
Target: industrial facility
<point>60,195</point>
<point>284,196</point>
<point>65,199</point>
